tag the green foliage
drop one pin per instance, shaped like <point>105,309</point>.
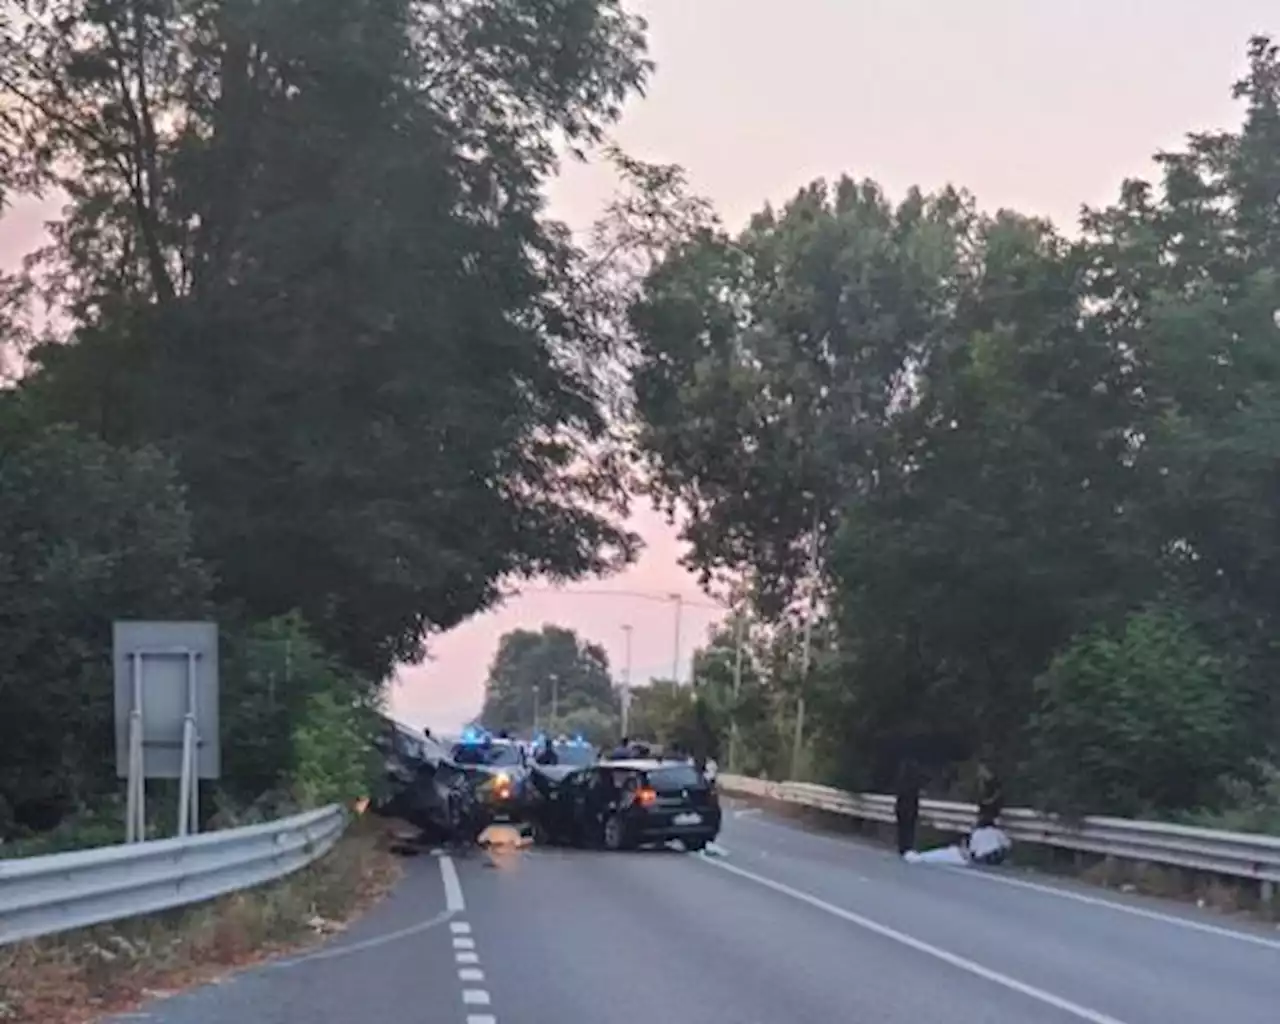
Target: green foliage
<point>282,693</point>
<point>381,408</point>
<point>550,675</point>
<point>334,756</point>
<point>1005,440</point>
<point>1133,723</point>
<point>91,534</point>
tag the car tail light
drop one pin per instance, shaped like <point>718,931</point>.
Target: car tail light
<point>645,797</point>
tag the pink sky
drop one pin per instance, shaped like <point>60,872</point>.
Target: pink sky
<point>1030,105</point>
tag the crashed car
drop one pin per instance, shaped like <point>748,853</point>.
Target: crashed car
<point>424,787</point>
<point>620,805</point>
<point>498,768</point>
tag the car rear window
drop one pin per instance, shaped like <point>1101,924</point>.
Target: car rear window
<point>678,776</point>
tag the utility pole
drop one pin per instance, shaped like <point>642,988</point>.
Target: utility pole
<point>806,654</point>
<point>555,698</point>
<point>626,683</point>
<point>675,658</point>
<point>740,628</point>
<point>537,706</point>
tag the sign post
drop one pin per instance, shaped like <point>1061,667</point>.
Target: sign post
<point>166,702</point>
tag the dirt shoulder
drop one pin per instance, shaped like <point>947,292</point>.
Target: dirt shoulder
<point>82,976</point>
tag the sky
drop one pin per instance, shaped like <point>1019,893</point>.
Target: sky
<point>1034,106</point>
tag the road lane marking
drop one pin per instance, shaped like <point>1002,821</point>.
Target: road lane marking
<point>462,942</point>
<point>748,812</point>
<point>1097,901</point>
<point>460,927</point>
<point>475,997</point>
<point>359,947</point>
<point>470,974</point>
<point>481,1018</point>
<point>968,966</point>
<point>466,957</point>
<point>453,899</point>
<point>1067,894</point>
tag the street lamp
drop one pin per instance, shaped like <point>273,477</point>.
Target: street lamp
<point>626,683</point>
<point>675,656</point>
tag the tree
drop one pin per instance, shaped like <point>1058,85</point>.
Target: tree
<point>549,675</point>
<point>1006,443</point>
<point>770,366</point>
<point>304,251</point>
<point>91,534</point>
<point>1134,723</point>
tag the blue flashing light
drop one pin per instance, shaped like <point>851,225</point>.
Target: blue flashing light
<point>473,734</point>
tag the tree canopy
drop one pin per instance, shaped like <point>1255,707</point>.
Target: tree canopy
<point>1040,469</point>
<point>545,678</point>
<point>304,251</point>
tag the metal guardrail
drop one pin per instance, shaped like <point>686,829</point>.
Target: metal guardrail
<point>55,893</point>
<point>1244,855</point>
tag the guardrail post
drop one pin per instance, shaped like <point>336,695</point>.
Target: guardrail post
<point>1268,892</point>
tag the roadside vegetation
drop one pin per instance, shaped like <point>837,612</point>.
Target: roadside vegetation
<point>1034,475</point>
<point>305,354</point>
<point>81,976</point>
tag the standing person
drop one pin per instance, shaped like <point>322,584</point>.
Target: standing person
<point>906,806</point>
<point>547,753</point>
<point>990,796</point>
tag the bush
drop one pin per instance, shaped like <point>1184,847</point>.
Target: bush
<point>298,727</point>
<point>1133,724</point>
<point>91,534</point>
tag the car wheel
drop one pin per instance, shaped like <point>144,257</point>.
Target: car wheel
<point>615,833</point>
<point>695,845</point>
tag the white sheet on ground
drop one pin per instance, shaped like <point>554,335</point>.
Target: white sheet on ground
<point>943,855</point>
<point>984,846</point>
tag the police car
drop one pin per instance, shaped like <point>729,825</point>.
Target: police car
<point>499,769</point>
<point>573,751</point>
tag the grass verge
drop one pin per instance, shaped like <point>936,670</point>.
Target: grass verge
<point>81,976</point>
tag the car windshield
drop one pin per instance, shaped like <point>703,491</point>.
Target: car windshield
<point>676,776</point>
<point>577,754</point>
<point>503,755</point>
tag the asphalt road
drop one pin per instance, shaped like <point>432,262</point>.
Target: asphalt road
<point>786,926</point>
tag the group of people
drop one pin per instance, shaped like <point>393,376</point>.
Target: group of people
<point>985,844</point>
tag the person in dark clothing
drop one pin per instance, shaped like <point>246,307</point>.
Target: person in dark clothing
<point>906,806</point>
<point>622,751</point>
<point>990,796</point>
<point>547,755</point>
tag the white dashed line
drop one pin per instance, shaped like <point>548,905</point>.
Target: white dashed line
<point>464,945</point>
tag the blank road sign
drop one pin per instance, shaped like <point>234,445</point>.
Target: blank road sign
<point>161,649</point>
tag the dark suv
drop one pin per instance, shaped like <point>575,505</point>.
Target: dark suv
<point>623,804</point>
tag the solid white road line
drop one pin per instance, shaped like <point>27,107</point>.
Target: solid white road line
<point>1049,890</point>
<point>1123,908</point>
<point>1038,994</point>
<point>453,899</point>
<point>360,947</point>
